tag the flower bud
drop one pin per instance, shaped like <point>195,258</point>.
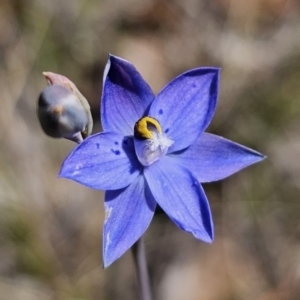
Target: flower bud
<point>62,110</point>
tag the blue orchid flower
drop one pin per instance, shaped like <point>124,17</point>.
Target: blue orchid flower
<point>153,150</point>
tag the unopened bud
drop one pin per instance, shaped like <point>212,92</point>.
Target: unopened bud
<point>63,111</point>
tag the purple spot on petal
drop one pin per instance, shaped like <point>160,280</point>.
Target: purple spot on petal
<point>116,143</point>
<point>160,111</point>
<point>167,130</point>
<point>98,145</point>
<point>117,152</point>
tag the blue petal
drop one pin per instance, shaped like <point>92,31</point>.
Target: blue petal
<point>186,106</point>
<point>128,214</point>
<point>181,196</point>
<point>125,96</point>
<point>103,161</point>
<point>213,158</point>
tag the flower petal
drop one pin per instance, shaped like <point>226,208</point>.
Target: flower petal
<point>186,106</point>
<point>128,214</point>
<point>125,97</point>
<point>103,161</point>
<point>181,196</point>
<point>213,158</point>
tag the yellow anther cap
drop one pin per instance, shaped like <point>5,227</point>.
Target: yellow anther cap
<point>145,126</point>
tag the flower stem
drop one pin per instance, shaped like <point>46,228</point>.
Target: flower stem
<point>139,256</point>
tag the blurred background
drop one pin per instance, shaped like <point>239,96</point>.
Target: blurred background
<point>50,228</point>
